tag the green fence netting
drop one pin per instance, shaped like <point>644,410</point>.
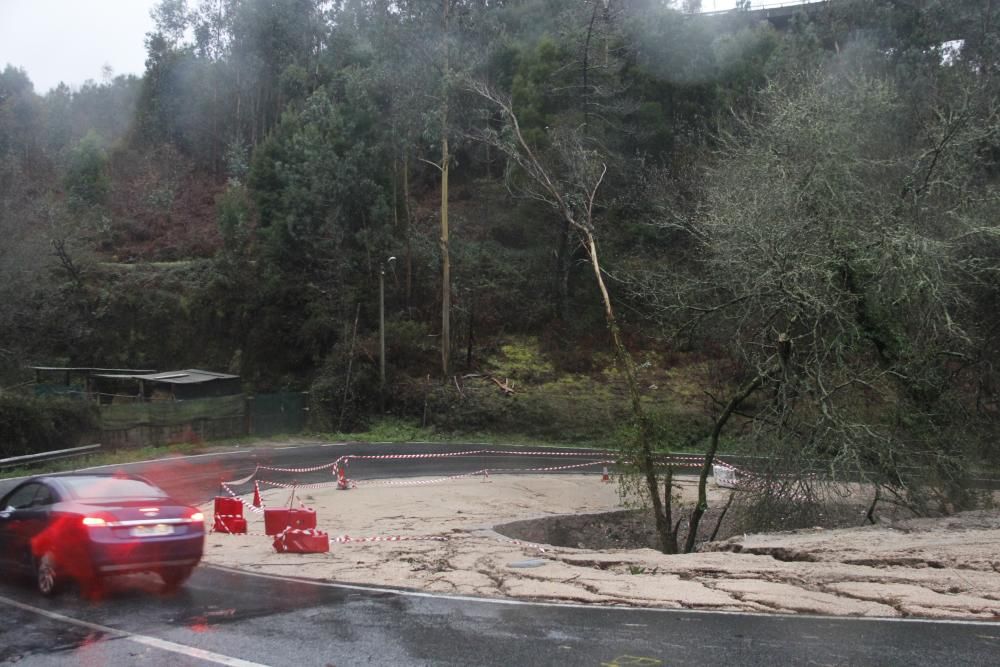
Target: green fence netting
<point>58,390</point>
<point>171,413</point>
<point>283,412</point>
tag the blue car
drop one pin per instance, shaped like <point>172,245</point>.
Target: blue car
<point>86,527</point>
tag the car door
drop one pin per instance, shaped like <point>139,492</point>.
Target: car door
<point>13,529</point>
<point>35,519</point>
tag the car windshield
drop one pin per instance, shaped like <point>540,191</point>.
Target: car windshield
<point>110,488</point>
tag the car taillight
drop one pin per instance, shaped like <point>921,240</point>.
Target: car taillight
<point>197,516</point>
<point>94,521</point>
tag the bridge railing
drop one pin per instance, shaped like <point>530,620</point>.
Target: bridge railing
<point>726,6</point>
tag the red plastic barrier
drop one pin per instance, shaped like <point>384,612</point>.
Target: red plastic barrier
<point>235,525</point>
<point>228,506</point>
<point>302,542</point>
<point>278,518</point>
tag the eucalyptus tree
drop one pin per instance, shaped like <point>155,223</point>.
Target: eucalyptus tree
<point>562,64</point>
<point>568,130</point>
<point>567,175</point>
<point>424,48</point>
<point>221,71</point>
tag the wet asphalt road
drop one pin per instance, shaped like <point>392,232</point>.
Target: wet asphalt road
<point>225,617</point>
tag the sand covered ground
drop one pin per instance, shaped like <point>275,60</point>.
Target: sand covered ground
<point>944,568</point>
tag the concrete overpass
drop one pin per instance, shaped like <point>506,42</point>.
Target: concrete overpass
<point>776,12</point>
<point>779,13</point>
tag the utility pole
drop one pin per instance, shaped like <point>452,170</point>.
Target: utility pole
<point>381,331</point>
<point>445,251</point>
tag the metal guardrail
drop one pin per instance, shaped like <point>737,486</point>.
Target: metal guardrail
<point>42,457</point>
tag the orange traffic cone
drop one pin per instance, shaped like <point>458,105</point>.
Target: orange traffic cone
<point>256,495</point>
<point>605,477</point>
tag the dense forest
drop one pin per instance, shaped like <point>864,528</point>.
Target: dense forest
<point>705,229</point>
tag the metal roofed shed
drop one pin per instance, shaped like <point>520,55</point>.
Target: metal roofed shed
<point>181,385</point>
<point>78,381</point>
<point>146,407</point>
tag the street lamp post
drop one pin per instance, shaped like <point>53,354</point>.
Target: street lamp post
<point>381,330</point>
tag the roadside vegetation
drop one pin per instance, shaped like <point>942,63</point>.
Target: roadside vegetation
<point>616,224</point>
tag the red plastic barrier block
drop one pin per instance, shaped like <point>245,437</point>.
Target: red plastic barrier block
<point>228,506</point>
<point>302,542</point>
<point>236,525</point>
<point>278,518</point>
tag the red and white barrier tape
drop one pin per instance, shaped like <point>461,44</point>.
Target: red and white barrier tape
<point>669,458</point>
<point>681,464</point>
<point>310,469</point>
<point>592,453</point>
<point>439,455</point>
<point>249,506</point>
<point>343,539</point>
<point>422,482</point>
<point>286,485</point>
<point>485,472</point>
<point>238,482</point>
<point>532,545</point>
<point>347,539</point>
<point>681,457</point>
<point>569,467</point>
<point>311,532</point>
<point>472,452</point>
<point>228,530</point>
<point>223,517</point>
<point>357,483</point>
<point>304,531</point>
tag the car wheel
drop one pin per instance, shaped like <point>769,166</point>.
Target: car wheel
<point>46,574</point>
<point>174,577</point>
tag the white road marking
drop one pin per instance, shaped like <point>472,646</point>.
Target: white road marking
<point>132,463</point>
<point>165,458</point>
<point>155,642</point>
<point>248,450</point>
<point>568,605</point>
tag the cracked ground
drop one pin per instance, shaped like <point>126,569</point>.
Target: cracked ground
<point>932,568</point>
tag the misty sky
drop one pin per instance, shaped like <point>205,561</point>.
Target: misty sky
<point>71,40</point>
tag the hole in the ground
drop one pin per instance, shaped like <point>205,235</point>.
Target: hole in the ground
<point>624,529</point>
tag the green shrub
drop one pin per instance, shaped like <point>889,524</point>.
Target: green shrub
<point>333,406</point>
<point>30,426</point>
<point>536,413</point>
<point>523,360</point>
<point>409,345</point>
